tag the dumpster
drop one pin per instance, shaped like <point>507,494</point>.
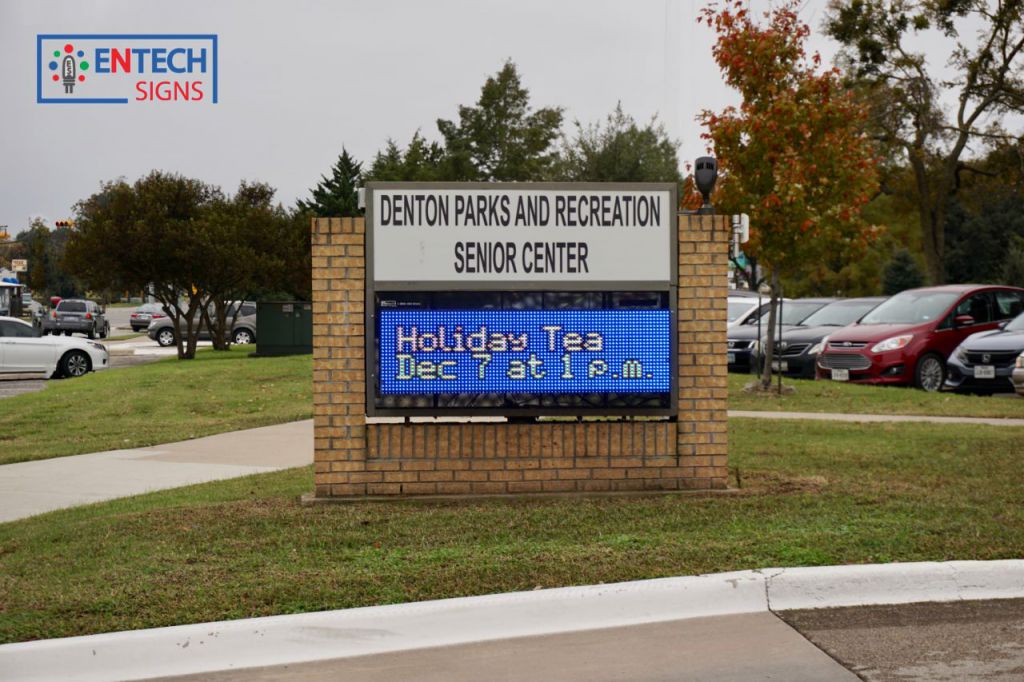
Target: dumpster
<point>285,327</point>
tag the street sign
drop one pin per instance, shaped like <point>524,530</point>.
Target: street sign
<point>19,265</point>
<point>454,235</point>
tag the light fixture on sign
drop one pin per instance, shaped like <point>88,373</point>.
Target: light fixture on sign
<point>68,69</point>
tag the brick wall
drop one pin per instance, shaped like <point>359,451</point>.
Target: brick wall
<point>353,458</point>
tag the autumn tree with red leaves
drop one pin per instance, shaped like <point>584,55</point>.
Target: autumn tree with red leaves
<point>793,155</point>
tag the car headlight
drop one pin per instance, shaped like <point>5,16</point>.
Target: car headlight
<point>98,346</point>
<point>1020,361</point>
<point>894,343</point>
<point>961,354</point>
<point>755,347</point>
<point>818,347</point>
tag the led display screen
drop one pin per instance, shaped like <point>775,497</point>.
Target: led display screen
<point>620,351</point>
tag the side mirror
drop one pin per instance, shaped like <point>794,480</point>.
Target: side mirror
<point>963,321</point>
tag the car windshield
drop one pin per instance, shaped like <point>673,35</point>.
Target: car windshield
<point>1016,324</point>
<point>794,312</point>
<point>737,308</point>
<point>71,306</point>
<point>911,307</point>
<point>839,314</point>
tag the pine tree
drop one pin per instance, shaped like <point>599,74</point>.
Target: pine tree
<point>901,273</point>
<point>1013,267</point>
<point>336,196</point>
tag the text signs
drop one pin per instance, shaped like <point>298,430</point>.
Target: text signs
<point>515,234</point>
<point>524,351</point>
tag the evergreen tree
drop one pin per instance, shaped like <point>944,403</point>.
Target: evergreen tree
<point>1013,266</point>
<point>501,138</point>
<point>419,162</point>
<point>620,151</point>
<point>336,196</point>
<point>901,272</point>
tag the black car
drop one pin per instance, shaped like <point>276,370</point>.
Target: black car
<point>744,341</point>
<point>984,362</point>
<point>802,343</point>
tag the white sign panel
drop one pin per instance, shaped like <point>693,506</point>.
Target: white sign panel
<point>19,265</point>
<point>512,234</point>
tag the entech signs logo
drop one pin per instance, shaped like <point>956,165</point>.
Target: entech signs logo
<point>118,68</point>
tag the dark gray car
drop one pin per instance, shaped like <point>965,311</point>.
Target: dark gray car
<point>243,330</point>
<point>74,315</point>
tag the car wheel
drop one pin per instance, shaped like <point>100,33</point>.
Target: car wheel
<point>91,334</point>
<point>105,332</point>
<point>242,337</point>
<point>930,373</point>
<point>165,337</point>
<point>75,363</point>
<point>67,332</point>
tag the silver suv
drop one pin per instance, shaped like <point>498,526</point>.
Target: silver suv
<point>243,330</point>
<point>76,315</point>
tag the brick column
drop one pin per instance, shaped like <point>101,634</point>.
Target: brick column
<point>339,374</point>
<point>702,436</point>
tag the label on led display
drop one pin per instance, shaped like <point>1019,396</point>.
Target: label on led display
<point>524,351</point>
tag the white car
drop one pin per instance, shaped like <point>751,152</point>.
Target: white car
<point>23,351</point>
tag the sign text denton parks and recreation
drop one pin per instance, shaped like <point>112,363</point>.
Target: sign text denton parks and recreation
<point>521,234</point>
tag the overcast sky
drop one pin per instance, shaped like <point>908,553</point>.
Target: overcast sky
<point>299,79</point>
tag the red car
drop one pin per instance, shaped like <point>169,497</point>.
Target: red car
<point>907,339</point>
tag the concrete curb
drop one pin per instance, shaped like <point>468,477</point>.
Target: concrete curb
<point>277,640</point>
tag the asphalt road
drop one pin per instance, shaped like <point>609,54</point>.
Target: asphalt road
<point>119,318</point>
<point>975,640</point>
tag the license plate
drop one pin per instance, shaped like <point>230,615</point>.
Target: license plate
<point>840,375</point>
<point>985,372</point>
<point>143,316</point>
<point>731,358</point>
<point>780,366</point>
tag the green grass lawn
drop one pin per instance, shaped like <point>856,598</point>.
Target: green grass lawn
<point>161,402</point>
<point>831,396</point>
<point>812,493</point>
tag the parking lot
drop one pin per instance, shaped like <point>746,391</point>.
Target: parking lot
<point>135,351</point>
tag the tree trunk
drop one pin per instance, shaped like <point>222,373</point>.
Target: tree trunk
<point>216,324</point>
<point>933,241</point>
<point>187,341</point>
<point>931,207</point>
<point>769,342</point>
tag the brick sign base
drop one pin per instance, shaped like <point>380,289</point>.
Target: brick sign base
<point>354,458</point>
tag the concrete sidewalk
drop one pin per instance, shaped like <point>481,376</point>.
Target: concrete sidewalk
<point>30,488</point>
<point>875,418</point>
<point>675,651</point>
